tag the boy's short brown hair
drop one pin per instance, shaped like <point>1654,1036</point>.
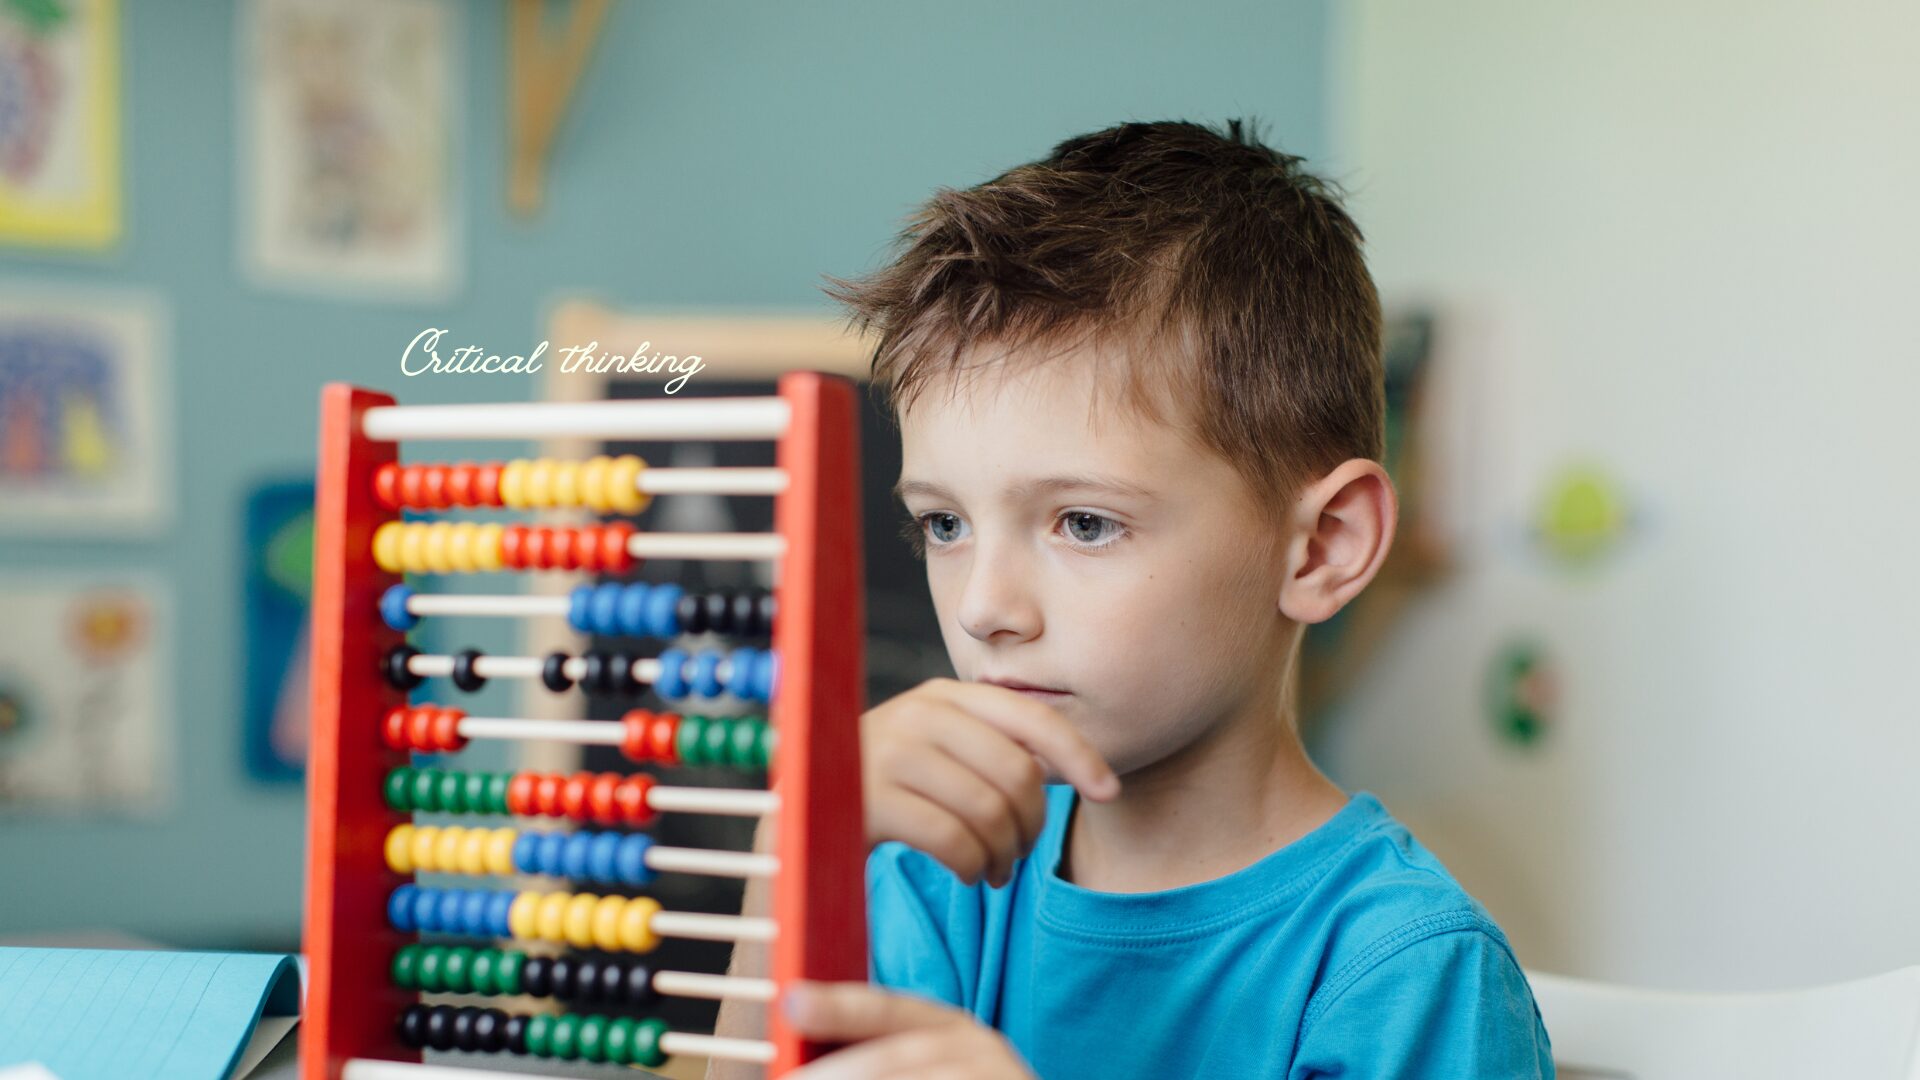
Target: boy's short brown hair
<point>1218,257</point>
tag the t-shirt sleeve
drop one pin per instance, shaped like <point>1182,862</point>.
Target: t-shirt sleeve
<point>1451,1004</point>
<point>906,914</point>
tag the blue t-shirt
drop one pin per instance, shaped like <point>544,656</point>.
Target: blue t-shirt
<point>1350,952</point>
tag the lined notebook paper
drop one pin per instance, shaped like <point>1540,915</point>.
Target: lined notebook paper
<point>107,1014</point>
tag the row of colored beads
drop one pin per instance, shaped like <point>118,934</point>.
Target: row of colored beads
<point>459,969</point>
<point>737,742</point>
<point>635,609</point>
<point>447,547</point>
<point>618,1040</point>
<point>750,677</point>
<point>608,485</point>
<point>583,920</point>
<point>445,791</point>
<point>609,857</point>
<point>751,673</point>
<point>423,727</point>
<point>604,798</point>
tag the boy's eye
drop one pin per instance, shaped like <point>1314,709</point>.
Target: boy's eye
<point>1090,530</point>
<point>944,528</point>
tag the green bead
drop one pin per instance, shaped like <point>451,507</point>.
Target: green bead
<point>566,1037</point>
<point>741,742</point>
<point>485,963</point>
<point>686,739</point>
<point>425,789</point>
<point>540,1035</point>
<point>398,789</point>
<point>646,1042</point>
<point>475,793</point>
<point>769,741</point>
<point>406,967</point>
<point>620,1040</point>
<point>433,969</point>
<point>713,742</point>
<point>497,785</point>
<point>506,974</point>
<point>452,797</point>
<point>457,969</point>
<point>593,1038</point>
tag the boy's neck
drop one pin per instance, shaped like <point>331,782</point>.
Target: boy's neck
<point>1218,806</point>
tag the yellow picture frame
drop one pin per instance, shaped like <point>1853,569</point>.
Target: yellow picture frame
<point>72,199</point>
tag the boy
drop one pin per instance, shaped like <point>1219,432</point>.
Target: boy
<point>1139,392</point>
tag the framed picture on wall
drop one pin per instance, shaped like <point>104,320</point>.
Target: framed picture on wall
<point>60,124</point>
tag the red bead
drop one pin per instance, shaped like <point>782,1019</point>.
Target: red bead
<point>533,547</point>
<point>433,487</point>
<point>601,798</point>
<point>631,797</point>
<point>615,558</point>
<point>420,728</point>
<point>663,738</point>
<point>520,794</point>
<point>633,740</point>
<point>386,485</point>
<point>486,485</point>
<point>460,484</point>
<point>394,729</point>
<point>560,547</point>
<point>410,494</point>
<point>573,796</point>
<point>513,550</point>
<point>446,729</point>
<point>546,794</point>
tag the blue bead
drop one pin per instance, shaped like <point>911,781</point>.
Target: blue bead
<point>740,678</point>
<point>447,916</point>
<point>473,912</point>
<point>706,673</point>
<point>573,860</point>
<point>606,609</point>
<point>393,608</point>
<point>633,609</point>
<point>577,614</point>
<point>553,848</point>
<point>426,911</point>
<point>672,682</point>
<point>400,909</point>
<point>526,853</point>
<point>601,852</point>
<point>663,611</point>
<point>631,862</point>
<point>766,675</point>
<point>499,912</point>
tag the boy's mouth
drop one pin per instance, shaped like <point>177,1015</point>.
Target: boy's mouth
<point>1043,693</point>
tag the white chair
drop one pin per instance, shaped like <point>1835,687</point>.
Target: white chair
<point>1868,1029</point>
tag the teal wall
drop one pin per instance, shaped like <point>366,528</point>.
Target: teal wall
<point>718,155</point>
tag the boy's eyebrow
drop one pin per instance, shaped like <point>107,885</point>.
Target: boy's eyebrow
<point>1026,488</point>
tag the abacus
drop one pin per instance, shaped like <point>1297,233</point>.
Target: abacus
<point>364,1019</point>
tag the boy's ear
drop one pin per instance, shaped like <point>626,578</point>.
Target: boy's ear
<point>1342,527</point>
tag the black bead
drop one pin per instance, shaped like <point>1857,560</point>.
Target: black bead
<point>745,612</point>
<point>720,611</point>
<point>639,979</point>
<point>489,1030</point>
<point>612,987</point>
<point>463,1028</point>
<point>536,976</point>
<point>595,679</point>
<point>586,979</point>
<point>514,1034</point>
<point>440,1027</point>
<point>768,607</point>
<point>554,673</point>
<point>620,678</point>
<point>395,668</point>
<point>692,612</point>
<point>562,977</point>
<point>413,1026</point>
<point>463,673</point>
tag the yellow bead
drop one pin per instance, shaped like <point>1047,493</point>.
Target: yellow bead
<point>523,918</point>
<point>566,484</point>
<point>412,558</point>
<point>606,922</point>
<point>552,917</point>
<point>540,483</point>
<point>400,849</point>
<point>513,483</point>
<point>580,920</point>
<point>473,851</point>
<point>386,546</point>
<point>500,851</point>
<point>593,483</point>
<point>434,547</point>
<point>623,484</point>
<point>486,546</point>
<point>636,925</point>
<point>446,851</point>
<point>460,547</point>
<point>424,837</point>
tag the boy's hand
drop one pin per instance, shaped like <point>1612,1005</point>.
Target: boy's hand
<point>958,770</point>
<point>898,1037</point>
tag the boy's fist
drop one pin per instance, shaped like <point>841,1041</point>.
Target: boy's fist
<point>898,1037</point>
<point>958,770</point>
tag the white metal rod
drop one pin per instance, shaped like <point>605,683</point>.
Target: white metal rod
<point>686,1044</point>
<point>730,481</point>
<point>584,732</point>
<point>712,987</point>
<point>704,418</point>
<point>731,802</point>
<point>460,604</point>
<point>734,864</point>
<point>710,546</point>
<point>646,671</point>
<point>370,1069</point>
<point>692,924</point>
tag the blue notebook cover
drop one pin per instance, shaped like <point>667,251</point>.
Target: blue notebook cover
<point>105,1014</point>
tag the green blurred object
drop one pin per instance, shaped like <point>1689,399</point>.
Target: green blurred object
<point>1583,516</point>
<point>39,15</point>
<point>1521,693</point>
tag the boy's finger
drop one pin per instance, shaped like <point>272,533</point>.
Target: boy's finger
<point>1007,765</point>
<point>852,1011</point>
<point>981,807</point>
<point>923,824</point>
<point>1043,730</point>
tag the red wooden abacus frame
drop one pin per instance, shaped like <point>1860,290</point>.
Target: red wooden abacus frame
<point>819,899</point>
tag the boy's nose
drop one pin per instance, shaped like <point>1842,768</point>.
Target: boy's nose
<point>996,602</point>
